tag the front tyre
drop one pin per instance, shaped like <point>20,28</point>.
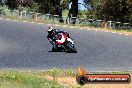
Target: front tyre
<point>71,47</point>
<point>54,49</point>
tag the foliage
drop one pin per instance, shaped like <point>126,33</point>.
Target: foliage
<point>116,10</point>
<point>23,4</point>
<point>5,10</point>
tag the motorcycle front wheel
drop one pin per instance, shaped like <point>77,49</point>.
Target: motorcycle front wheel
<point>54,50</point>
<point>71,47</point>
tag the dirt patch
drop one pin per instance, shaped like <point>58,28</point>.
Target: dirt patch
<point>71,82</point>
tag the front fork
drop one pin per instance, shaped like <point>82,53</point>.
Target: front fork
<point>65,46</point>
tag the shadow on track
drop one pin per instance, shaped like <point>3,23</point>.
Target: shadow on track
<point>61,51</point>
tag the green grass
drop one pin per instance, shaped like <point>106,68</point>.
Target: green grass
<point>38,79</point>
<point>33,79</point>
<point>14,79</point>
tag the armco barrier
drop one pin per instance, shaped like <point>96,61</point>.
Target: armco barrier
<point>79,21</point>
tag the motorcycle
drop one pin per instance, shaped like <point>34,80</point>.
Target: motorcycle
<point>64,43</point>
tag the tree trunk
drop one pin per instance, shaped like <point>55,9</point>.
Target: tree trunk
<point>58,9</point>
<point>74,10</point>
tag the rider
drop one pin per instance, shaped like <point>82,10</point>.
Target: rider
<point>51,35</point>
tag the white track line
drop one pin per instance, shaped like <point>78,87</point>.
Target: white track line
<point>40,23</point>
<point>7,19</point>
<point>32,22</point>
<point>113,32</point>
<point>15,20</point>
<point>89,29</point>
<point>24,21</point>
<point>10,68</point>
<point>105,31</point>
<point>49,24</point>
<point>120,33</point>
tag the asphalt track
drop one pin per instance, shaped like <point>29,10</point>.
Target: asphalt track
<point>25,46</point>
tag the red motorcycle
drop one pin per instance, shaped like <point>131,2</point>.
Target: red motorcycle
<point>63,42</point>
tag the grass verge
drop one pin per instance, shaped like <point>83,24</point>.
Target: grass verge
<point>15,79</point>
<point>53,78</point>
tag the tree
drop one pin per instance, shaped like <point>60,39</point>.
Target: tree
<point>58,8</point>
<point>12,4</point>
<point>53,7</point>
<point>116,10</point>
<point>73,11</point>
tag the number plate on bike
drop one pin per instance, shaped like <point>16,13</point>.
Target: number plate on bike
<point>59,45</point>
